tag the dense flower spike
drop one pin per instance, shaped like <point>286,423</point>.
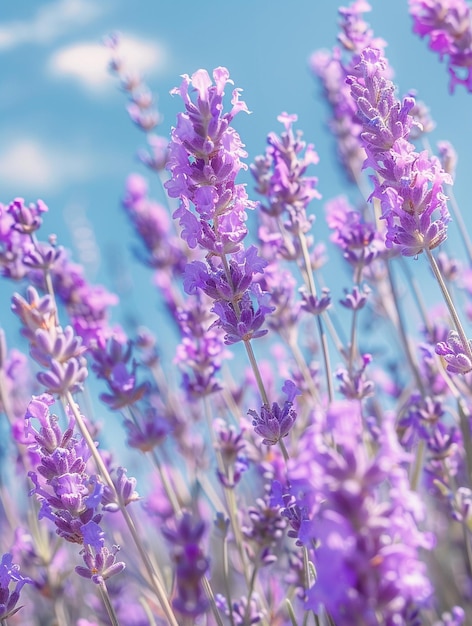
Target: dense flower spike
<point>448,26</point>
<point>69,497</point>
<point>281,177</point>
<point>204,159</point>
<point>410,184</point>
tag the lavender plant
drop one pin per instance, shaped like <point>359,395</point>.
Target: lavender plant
<point>316,476</point>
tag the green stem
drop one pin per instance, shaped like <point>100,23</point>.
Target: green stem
<point>449,303</point>
<point>322,334</point>
<point>257,373</point>
<point>418,465</point>
<point>107,603</point>
<point>401,328</point>
<point>211,598</point>
<point>226,580</point>
<point>251,591</point>
<point>284,450</point>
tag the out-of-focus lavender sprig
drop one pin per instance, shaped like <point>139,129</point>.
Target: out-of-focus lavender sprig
<point>9,573</point>
<point>448,26</point>
<point>190,565</point>
<point>332,69</point>
<point>141,108</point>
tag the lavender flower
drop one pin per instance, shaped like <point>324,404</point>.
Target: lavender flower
<point>332,69</point>
<point>68,495</point>
<point>100,562</point>
<point>275,423</point>
<point>454,353</point>
<point>281,177</point>
<point>204,159</point>
<point>410,185</point>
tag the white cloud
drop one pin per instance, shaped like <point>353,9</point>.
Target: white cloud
<point>28,165</point>
<point>87,62</point>
<point>50,22</point>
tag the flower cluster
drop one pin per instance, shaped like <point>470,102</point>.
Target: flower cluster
<point>329,479</point>
<point>409,185</point>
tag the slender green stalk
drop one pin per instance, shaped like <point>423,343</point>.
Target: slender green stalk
<point>285,453</point>
<point>226,579</point>
<point>252,583</point>
<point>211,598</point>
<point>107,603</point>
<point>291,612</point>
<point>402,330</point>
<point>418,465</point>
<point>449,303</point>
<point>257,373</point>
<point>322,334</point>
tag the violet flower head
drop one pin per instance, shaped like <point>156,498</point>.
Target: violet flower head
<point>246,324</point>
<point>408,184</point>
<point>9,573</point>
<point>204,159</point>
<point>152,224</point>
<point>281,177</point>
<point>68,496</point>
<point>455,354</point>
<point>274,423</point>
<point>100,562</point>
<point>448,26</point>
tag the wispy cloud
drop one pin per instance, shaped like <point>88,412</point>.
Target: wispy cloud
<point>87,62</point>
<point>28,165</point>
<point>49,23</point>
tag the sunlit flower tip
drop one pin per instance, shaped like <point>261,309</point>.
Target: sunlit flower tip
<point>274,423</point>
<point>456,355</point>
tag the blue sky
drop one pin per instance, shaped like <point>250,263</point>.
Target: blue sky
<point>65,136</point>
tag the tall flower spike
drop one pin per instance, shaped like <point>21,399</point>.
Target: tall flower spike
<point>204,158</point>
<point>408,184</point>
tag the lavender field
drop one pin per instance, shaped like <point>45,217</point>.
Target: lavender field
<point>235,358</point>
